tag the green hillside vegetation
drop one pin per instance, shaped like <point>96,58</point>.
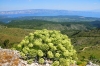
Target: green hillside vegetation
<point>84,37</point>
<point>14,35</point>
<point>59,18</point>
<point>42,24</point>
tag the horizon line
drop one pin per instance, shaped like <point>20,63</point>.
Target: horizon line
<point>47,9</point>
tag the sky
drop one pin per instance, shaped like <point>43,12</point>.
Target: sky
<point>73,5</point>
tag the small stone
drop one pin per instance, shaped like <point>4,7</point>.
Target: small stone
<point>6,64</point>
<point>47,64</point>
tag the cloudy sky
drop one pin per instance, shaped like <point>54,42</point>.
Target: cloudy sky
<point>75,5</point>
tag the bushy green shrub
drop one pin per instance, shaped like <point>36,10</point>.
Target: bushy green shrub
<point>79,62</point>
<point>48,44</point>
<point>41,60</point>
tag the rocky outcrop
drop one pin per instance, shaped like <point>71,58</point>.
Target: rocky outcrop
<point>91,64</point>
<point>10,58</point>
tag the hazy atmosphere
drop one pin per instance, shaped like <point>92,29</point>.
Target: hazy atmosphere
<point>75,5</point>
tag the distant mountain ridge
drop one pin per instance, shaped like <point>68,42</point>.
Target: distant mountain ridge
<point>48,12</point>
<point>66,18</point>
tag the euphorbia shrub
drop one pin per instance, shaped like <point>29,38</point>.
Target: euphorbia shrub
<point>48,44</point>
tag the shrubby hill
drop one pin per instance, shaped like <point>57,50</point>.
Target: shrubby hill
<point>84,35</point>
<point>96,23</point>
<point>58,18</point>
<point>42,24</point>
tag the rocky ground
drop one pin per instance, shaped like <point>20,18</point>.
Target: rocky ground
<point>12,58</point>
<point>9,58</point>
<point>91,64</point>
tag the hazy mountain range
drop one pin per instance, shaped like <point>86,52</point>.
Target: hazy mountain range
<point>47,12</point>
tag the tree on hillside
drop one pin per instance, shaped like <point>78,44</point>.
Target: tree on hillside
<point>6,42</point>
